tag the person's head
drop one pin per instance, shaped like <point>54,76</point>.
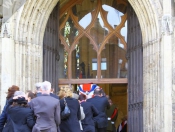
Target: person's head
<point>110,101</point>
<point>124,118</point>
<point>75,96</point>
<point>45,87</point>
<point>19,99</point>
<point>97,92</point>
<point>38,86</point>
<point>52,90</point>
<point>82,97</point>
<point>102,92</point>
<point>11,91</point>
<point>30,95</point>
<point>65,91</point>
<point>107,96</point>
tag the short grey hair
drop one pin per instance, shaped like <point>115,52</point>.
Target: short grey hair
<point>75,96</point>
<point>38,85</point>
<point>46,86</point>
<point>19,93</point>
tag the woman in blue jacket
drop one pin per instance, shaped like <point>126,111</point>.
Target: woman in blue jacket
<point>4,119</point>
<point>20,114</point>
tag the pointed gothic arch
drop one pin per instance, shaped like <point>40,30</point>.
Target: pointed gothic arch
<point>30,28</point>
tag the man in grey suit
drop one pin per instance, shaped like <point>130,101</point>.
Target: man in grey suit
<point>46,110</point>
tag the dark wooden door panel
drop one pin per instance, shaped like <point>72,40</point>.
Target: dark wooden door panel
<point>51,48</point>
<point>135,73</point>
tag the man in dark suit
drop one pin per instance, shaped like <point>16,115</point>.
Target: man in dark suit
<point>101,103</point>
<point>52,93</point>
<point>90,112</point>
<point>46,110</point>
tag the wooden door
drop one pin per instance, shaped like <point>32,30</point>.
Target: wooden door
<point>51,49</point>
<point>135,73</point>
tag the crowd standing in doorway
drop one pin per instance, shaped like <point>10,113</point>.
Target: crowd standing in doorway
<point>44,111</point>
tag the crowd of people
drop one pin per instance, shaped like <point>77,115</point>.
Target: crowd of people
<point>41,111</point>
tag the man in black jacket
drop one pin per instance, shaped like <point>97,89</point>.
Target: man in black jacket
<point>101,103</point>
<point>90,112</point>
<point>52,93</point>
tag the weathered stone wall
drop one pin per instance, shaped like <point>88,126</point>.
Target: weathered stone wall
<point>167,65</point>
<point>173,69</point>
<point>22,47</point>
<point>149,14</point>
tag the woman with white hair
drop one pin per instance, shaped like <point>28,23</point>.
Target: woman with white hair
<point>20,114</point>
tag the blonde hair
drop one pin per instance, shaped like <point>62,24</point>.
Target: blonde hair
<point>65,91</point>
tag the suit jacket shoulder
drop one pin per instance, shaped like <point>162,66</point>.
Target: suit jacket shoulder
<point>47,109</point>
<point>53,95</point>
<point>101,103</point>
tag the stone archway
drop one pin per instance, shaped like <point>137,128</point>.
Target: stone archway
<point>28,39</point>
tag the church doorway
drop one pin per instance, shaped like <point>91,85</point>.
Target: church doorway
<point>117,93</point>
<point>100,43</point>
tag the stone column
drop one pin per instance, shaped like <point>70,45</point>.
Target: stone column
<point>173,69</point>
<point>6,71</point>
<point>166,51</point>
<point>7,64</point>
